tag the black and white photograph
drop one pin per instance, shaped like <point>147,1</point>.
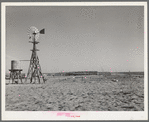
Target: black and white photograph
<point>74,61</point>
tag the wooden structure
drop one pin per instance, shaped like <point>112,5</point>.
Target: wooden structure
<point>16,76</point>
<point>15,72</point>
<point>34,71</point>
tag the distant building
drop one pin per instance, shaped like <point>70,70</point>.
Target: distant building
<point>73,73</point>
<point>81,73</point>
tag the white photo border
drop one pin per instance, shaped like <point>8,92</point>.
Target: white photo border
<point>88,115</point>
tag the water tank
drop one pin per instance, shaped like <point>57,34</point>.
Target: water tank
<point>15,65</point>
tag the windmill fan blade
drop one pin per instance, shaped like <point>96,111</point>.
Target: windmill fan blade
<point>33,33</point>
<point>42,31</point>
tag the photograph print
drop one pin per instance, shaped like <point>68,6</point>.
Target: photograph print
<point>76,58</point>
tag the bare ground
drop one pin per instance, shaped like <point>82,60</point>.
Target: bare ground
<point>93,93</point>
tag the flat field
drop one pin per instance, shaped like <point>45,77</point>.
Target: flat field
<point>78,93</point>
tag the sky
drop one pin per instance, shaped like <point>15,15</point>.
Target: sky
<point>77,38</point>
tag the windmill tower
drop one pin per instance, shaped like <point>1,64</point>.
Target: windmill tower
<point>34,71</point>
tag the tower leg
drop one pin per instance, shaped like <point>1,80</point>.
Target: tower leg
<point>12,77</point>
<point>20,76</point>
<point>31,80</point>
<point>38,79</point>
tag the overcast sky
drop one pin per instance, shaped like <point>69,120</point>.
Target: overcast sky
<point>78,38</point>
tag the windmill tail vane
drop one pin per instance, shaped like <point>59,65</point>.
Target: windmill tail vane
<point>42,31</point>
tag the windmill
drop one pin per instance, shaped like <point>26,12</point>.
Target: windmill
<point>34,71</point>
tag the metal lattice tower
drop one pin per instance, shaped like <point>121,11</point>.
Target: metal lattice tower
<point>34,71</point>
